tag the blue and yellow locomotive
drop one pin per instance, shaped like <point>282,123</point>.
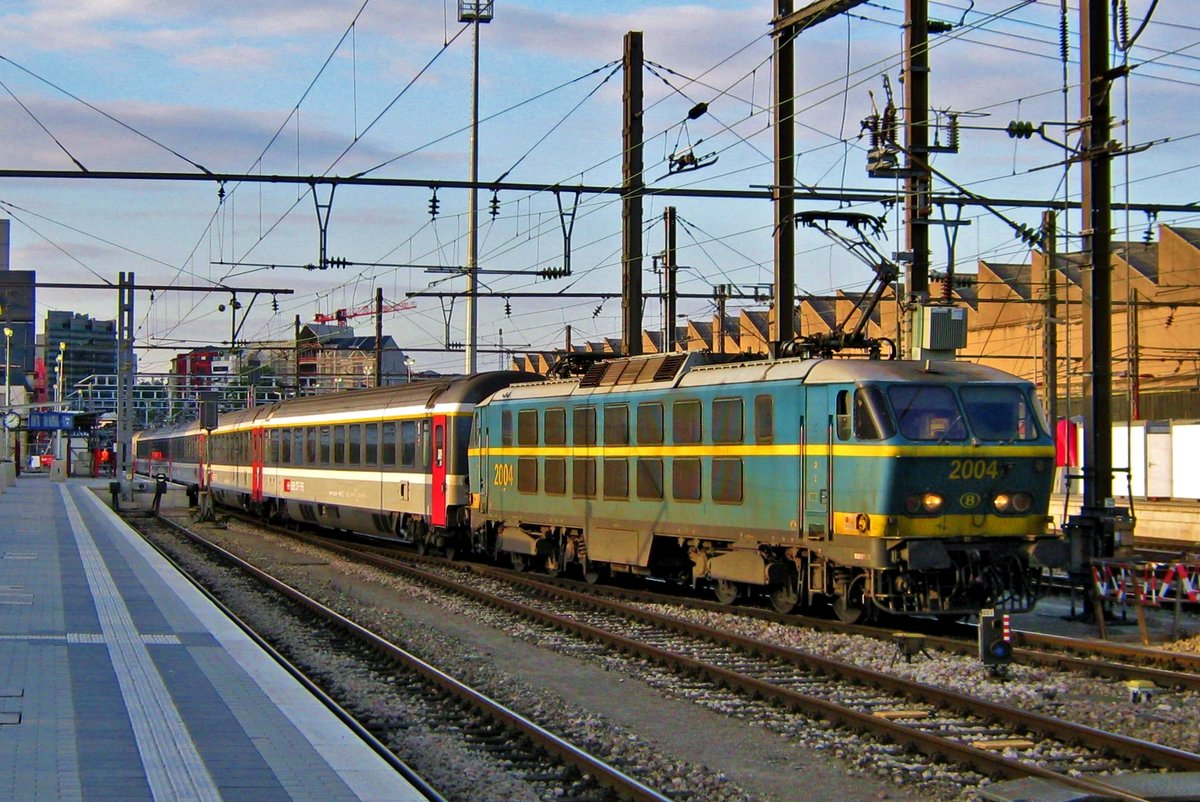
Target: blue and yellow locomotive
<point>910,487</point>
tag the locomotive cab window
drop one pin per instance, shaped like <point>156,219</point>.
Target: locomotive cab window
<point>871,420</point>
<point>506,428</point>
<point>927,412</point>
<point>999,413</point>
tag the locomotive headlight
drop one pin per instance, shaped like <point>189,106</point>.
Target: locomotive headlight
<point>1001,502</point>
<point>1022,502</point>
<point>1013,502</point>
<point>923,503</point>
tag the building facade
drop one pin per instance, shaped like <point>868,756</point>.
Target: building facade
<point>90,348</point>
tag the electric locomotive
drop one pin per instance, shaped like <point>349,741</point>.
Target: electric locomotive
<point>909,487</point>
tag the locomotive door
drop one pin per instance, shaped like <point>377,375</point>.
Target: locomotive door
<point>818,462</point>
<point>256,464</point>
<point>437,479</point>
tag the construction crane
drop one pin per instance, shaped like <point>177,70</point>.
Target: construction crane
<point>342,315</point>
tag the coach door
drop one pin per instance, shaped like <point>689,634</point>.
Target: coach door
<point>256,464</point>
<point>438,457</point>
<point>817,464</point>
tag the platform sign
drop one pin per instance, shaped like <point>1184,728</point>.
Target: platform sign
<point>50,421</point>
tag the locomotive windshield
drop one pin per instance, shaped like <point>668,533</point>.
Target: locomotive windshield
<point>992,412</point>
<point>927,412</point>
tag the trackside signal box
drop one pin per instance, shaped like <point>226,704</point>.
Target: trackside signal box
<point>995,638</point>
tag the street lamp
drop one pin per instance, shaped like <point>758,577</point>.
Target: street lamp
<point>408,363</point>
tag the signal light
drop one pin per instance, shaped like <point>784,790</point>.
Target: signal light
<point>995,639</point>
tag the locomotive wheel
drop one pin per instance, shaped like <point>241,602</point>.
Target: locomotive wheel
<point>784,598</point>
<point>852,606</point>
<point>727,592</point>
<point>520,562</point>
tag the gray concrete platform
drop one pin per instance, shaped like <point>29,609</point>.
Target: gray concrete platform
<point>120,681</point>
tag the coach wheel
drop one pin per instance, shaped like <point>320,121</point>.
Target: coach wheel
<point>520,562</point>
<point>450,550</point>
<point>727,592</point>
<point>851,606</point>
<point>596,573</point>
<point>786,596</point>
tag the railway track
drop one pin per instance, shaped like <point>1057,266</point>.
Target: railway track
<point>993,738</point>
<point>553,767</point>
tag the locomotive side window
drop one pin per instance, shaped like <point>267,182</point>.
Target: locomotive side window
<point>583,478</point>
<point>685,479</point>
<point>650,479</point>
<point>527,474</point>
<point>843,415</point>
<point>685,422</point>
<point>616,428</point>
<point>727,481</point>
<point>556,476</point>
<point>650,424</point>
<point>616,478</point>
<point>727,420</point>
<point>388,444</point>
<point>999,413</point>
<point>506,428</point>
<point>583,422</point>
<point>371,436</point>
<point>555,433</point>
<point>408,443</point>
<point>527,427</point>
<point>354,444</point>
<point>764,419</point>
<point>927,412</point>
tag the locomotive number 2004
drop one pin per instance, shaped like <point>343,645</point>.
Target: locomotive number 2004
<point>974,469</point>
<point>502,475</point>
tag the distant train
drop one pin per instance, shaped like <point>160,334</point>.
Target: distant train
<point>909,487</point>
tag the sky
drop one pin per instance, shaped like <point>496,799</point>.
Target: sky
<point>383,88</point>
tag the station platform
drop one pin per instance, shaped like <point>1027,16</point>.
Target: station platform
<point>120,681</point>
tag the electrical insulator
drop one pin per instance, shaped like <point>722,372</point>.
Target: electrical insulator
<point>954,138</point>
<point>1020,129</point>
<point>995,638</point>
<point>495,206</point>
<point>274,304</point>
<point>434,203</point>
<point>507,308</point>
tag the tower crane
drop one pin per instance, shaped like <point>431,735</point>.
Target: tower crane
<point>342,315</point>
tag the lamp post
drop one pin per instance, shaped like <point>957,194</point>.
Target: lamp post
<point>62,363</point>
<point>8,333</point>
<point>408,363</point>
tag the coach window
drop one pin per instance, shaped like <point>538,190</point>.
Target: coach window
<point>727,481</point>
<point>389,444</point>
<point>310,445</point>
<point>616,479</point>
<point>727,420</point>
<point>371,438</point>
<point>527,427</point>
<point>408,443</point>
<point>556,476</point>
<point>584,425</point>
<point>506,429</point>
<point>764,419</point>
<point>555,427</point>
<point>843,415</point>
<point>650,424</point>
<point>685,422</point>
<point>285,446</point>
<point>616,425</point>
<point>650,479</point>
<point>354,443</point>
<point>339,445</point>
<point>685,479</point>
<point>326,439</point>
